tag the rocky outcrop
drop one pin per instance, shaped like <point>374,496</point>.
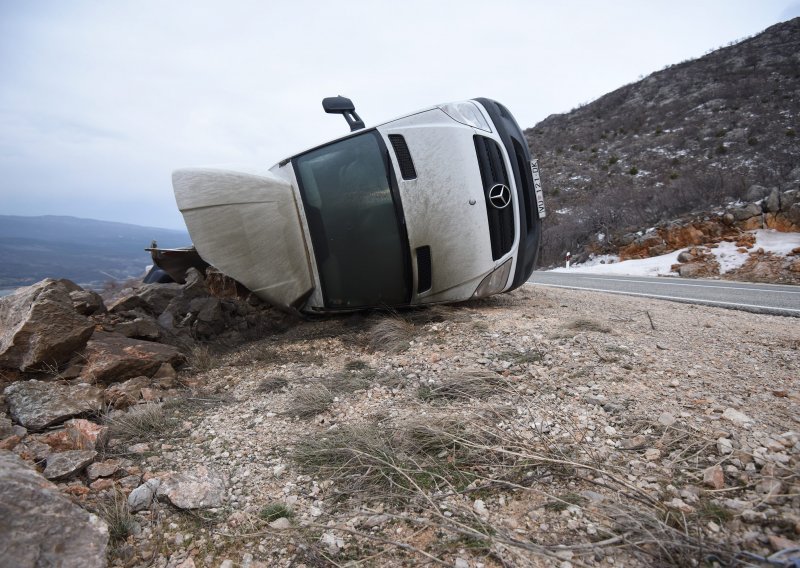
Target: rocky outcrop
<point>63,465</point>
<point>112,357</point>
<point>38,404</point>
<point>40,326</point>
<point>41,527</point>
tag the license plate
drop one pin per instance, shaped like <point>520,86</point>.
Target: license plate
<point>537,187</point>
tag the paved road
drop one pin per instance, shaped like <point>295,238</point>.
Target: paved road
<point>759,298</point>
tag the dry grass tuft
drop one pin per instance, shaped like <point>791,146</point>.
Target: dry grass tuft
<point>271,384</point>
<point>351,381</point>
<point>391,334</point>
<point>468,386</point>
<point>140,423</point>
<point>201,359</point>
<point>583,324</point>
<point>309,401</point>
<point>116,513</point>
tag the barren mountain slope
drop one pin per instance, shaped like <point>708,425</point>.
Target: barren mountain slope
<point>692,135</point>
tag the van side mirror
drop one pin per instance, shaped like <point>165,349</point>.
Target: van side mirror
<point>344,106</point>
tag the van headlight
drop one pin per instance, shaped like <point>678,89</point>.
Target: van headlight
<point>494,282</point>
<point>466,112</point>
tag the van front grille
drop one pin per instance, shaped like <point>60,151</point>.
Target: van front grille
<point>493,172</point>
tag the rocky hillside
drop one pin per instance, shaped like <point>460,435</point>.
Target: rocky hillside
<point>694,135</point>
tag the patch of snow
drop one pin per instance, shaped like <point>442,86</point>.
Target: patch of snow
<point>563,211</point>
<point>726,254</point>
<point>654,266</point>
<point>775,241</point>
<point>601,237</point>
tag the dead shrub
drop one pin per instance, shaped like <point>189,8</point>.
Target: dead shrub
<point>468,386</point>
<point>583,324</point>
<point>271,384</point>
<point>140,423</point>
<point>201,359</point>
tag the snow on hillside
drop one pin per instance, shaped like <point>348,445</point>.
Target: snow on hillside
<point>727,254</point>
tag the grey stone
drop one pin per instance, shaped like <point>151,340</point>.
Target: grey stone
<point>41,527</point>
<point>87,302</point>
<point>756,192</point>
<point>140,328</point>
<point>63,465</point>
<point>282,523</point>
<point>199,488</point>
<point>666,419</point>
<point>685,256</point>
<point>772,203</point>
<point>39,325</point>
<point>789,198</point>
<point>6,426</point>
<point>102,469</point>
<point>140,498</point>
<point>738,418</point>
<point>749,210</point>
<point>724,446</point>
<point>37,404</point>
<point>127,393</point>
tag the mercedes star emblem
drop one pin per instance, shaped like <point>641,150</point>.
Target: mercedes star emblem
<point>499,196</point>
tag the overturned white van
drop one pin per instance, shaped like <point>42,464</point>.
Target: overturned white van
<point>441,205</point>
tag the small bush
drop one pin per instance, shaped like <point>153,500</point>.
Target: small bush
<point>673,175</point>
<point>612,160</point>
<point>721,149</point>
<point>633,171</point>
<point>356,365</point>
<point>351,381</point>
<point>752,141</point>
<point>790,132</point>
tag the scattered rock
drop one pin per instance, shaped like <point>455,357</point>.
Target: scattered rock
<point>714,477</point>
<point>42,527</point>
<point>39,326</point>
<point>480,508</point>
<point>62,465</point>
<point>281,523</point>
<point>140,498</point>
<point>666,419</point>
<point>724,446</point>
<point>37,404</point>
<point>105,468</point>
<point>86,302</point>
<point>127,393</point>
<point>652,454</point>
<point>738,418</point>
<point>111,357</point>
<point>200,488</point>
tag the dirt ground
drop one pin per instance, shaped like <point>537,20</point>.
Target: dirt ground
<point>547,427</point>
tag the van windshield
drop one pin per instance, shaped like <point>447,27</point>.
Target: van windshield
<point>360,245</point>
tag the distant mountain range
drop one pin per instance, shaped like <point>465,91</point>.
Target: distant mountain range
<point>86,251</point>
<point>691,136</point>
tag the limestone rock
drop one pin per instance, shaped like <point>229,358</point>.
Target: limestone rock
<point>746,212</point>
<point>772,203</point>
<point>38,404</point>
<point>199,488</point>
<point>41,527</point>
<point>111,357</point>
<point>39,325</point>
<point>63,465</point>
<point>738,418</point>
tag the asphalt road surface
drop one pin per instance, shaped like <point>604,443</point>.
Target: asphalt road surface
<point>760,298</point>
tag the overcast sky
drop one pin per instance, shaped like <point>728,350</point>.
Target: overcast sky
<point>100,101</point>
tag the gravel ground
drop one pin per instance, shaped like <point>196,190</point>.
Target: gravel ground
<point>547,427</point>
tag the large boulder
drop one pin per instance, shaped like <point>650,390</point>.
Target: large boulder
<point>746,212</point>
<point>38,404</point>
<point>40,326</point>
<point>41,527</point>
<point>153,298</point>
<point>112,357</point>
